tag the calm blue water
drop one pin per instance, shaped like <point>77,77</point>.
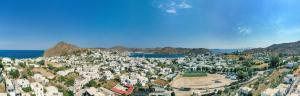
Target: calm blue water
<point>140,55</point>
<point>20,54</point>
<point>226,50</point>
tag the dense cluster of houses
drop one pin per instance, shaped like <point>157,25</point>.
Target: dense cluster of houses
<point>105,65</point>
<point>18,86</point>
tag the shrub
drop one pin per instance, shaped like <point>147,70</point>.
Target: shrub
<point>27,89</point>
<point>91,83</point>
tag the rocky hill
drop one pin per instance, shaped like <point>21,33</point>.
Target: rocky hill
<point>292,48</point>
<point>61,49</point>
<point>165,50</point>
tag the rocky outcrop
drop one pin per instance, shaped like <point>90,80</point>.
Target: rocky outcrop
<point>61,49</point>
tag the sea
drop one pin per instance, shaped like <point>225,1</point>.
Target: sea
<point>216,51</point>
<point>21,54</point>
<point>146,55</point>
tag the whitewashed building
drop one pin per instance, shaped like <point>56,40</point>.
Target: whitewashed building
<point>37,88</point>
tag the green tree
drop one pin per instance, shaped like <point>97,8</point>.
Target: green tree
<point>91,83</point>
<point>241,75</point>
<point>226,90</point>
<point>295,59</point>
<point>29,72</point>
<point>70,82</point>
<point>173,94</point>
<point>61,79</point>
<point>42,62</point>
<point>51,67</point>
<point>23,65</point>
<point>68,93</point>
<point>1,65</point>
<point>274,62</point>
<point>248,63</point>
<point>162,65</point>
<point>241,58</point>
<point>14,73</point>
<point>27,89</point>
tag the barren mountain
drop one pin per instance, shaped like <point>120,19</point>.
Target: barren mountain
<point>61,49</point>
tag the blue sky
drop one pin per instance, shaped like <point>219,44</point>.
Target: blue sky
<point>39,24</point>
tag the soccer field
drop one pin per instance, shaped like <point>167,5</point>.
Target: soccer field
<point>194,74</point>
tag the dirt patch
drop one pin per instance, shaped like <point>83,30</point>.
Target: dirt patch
<point>42,71</point>
<point>72,75</point>
<point>54,64</point>
<point>160,82</point>
<point>209,81</point>
<point>297,71</point>
<point>232,56</point>
<point>2,88</point>
<point>110,84</point>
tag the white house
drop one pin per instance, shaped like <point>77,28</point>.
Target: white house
<point>291,64</point>
<point>37,88</point>
<point>245,91</point>
<point>53,91</point>
<point>92,91</point>
<point>270,92</point>
<point>40,78</point>
<point>34,65</point>
<point>108,75</point>
<point>23,83</point>
<point>9,86</point>
<point>288,79</point>
<point>7,61</point>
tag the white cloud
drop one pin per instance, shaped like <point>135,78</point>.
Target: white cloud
<point>172,6</point>
<point>171,10</point>
<point>244,30</point>
<point>184,5</point>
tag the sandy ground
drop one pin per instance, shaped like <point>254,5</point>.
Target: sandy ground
<point>205,82</point>
<point>160,82</point>
<point>43,72</point>
<point>2,87</point>
<point>54,64</point>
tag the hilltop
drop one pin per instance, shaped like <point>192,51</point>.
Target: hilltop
<point>292,48</point>
<point>61,48</point>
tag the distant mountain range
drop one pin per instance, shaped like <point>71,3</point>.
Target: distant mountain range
<point>165,50</point>
<point>63,48</point>
<point>292,48</point>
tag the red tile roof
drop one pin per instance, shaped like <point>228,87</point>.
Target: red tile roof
<point>126,92</point>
